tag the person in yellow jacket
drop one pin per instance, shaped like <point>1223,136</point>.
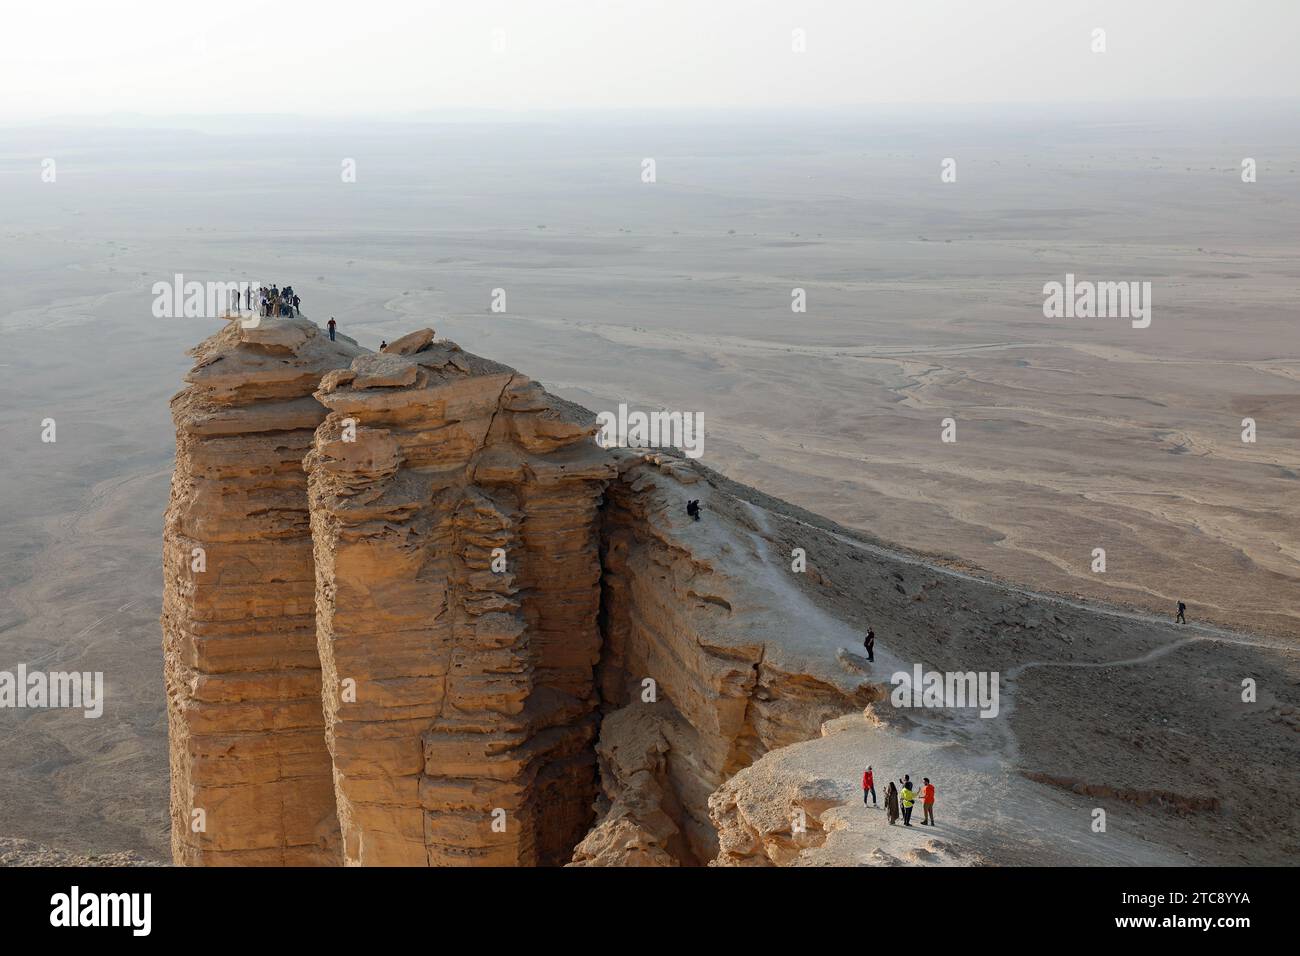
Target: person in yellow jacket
<point>907,796</point>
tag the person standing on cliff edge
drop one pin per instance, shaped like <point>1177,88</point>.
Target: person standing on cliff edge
<point>870,644</point>
<point>331,326</point>
<point>869,786</point>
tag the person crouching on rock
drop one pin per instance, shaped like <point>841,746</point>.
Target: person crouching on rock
<point>891,803</point>
<point>693,508</point>
<point>869,786</point>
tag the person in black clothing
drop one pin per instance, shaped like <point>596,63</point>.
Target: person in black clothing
<point>331,327</point>
<point>383,345</point>
<point>870,644</point>
<point>1182,608</point>
<point>693,508</point>
<point>297,301</point>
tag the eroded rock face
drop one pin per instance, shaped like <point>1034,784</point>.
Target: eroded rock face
<point>440,625</point>
<point>455,517</point>
<point>770,825</point>
<point>676,613</point>
<point>239,631</point>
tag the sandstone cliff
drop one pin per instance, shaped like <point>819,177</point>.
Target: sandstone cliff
<point>454,511</point>
<point>250,774</point>
<point>439,625</point>
<point>436,611</point>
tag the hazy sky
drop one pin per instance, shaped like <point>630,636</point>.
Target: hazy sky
<point>349,57</point>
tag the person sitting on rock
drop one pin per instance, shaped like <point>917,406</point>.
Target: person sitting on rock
<point>383,346</point>
<point>693,508</point>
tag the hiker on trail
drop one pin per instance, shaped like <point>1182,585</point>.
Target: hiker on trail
<point>869,786</point>
<point>927,802</point>
<point>693,508</point>
<point>1182,610</point>
<point>891,803</point>
<point>331,327</point>
<point>908,798</point>
<point>870,644</point>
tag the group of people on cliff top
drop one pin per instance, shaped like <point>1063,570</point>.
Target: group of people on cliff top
<point>902,797</point>
<point>274,301</point>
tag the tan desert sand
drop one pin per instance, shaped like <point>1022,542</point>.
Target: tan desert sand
<point>923,303</point>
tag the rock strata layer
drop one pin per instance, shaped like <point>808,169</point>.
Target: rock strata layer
<point>455,516</point>
<point>250,774</point>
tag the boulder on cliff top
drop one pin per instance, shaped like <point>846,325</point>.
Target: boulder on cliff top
<point>411,343</point>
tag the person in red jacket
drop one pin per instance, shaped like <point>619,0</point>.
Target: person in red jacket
<point>927,802</point>
<point>869,787</point>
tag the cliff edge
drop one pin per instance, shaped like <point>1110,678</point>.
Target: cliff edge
<point>415,615</point>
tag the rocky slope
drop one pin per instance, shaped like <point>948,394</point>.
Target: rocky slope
<point>447,628</point>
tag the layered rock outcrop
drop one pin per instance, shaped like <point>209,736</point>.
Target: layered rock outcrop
<point>250,773</point>
<point>440,625</point>
<point>697,657</point>
<point>454,510</point>
<point>414,615</point>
